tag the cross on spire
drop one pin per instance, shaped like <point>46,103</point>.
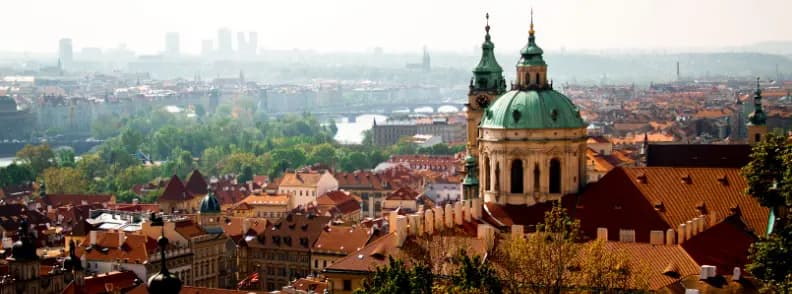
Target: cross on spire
<point>531,31</point>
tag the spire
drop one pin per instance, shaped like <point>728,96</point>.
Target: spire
<point>488,74</point>
<point>163,281</point>
<point>757,117</point>
<point>531,53</point>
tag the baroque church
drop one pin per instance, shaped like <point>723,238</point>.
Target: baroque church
<point>527,144</point>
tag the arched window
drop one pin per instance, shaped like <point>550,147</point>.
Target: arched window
<point>487,182</point>
<point>537,80</point>
<point>536,176</point>
<point>758,138</point>
<point>517,176</point>
<point>555,175</point>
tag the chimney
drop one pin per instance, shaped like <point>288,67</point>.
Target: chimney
<point>736,274</point>
<point>439,219</point>
<point>121,238</point>
<point>707,271</point>
<point>458,213</point>
<point>517,231</point>
<point>466,210</point>
<point>413,220</point>
<point>401,229</point>
<point>92,237</point>
<point>602,234</point>
<point>690,226</point>
<point>681,234</point>
<point>669,237</point>
<point>449,216</point>
<point>702,223</point>
<point>429,222</point>
<point>392,221</point>
<point>656,237</point>
<point>487,233</point>
<point>475,207</point>
<point>419,223</point>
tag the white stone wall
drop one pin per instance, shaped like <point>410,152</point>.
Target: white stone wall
<point>499,148</point>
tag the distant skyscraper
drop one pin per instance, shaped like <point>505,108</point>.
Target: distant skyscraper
<point>65,53</point>
<point>207,47</point>
<point>253,43</point>
<point>224,42</point>
<point>172,44</point>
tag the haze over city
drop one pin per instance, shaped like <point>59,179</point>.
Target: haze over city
<point>397,26</point>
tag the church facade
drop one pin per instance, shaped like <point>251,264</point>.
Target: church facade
<point>528,143</point>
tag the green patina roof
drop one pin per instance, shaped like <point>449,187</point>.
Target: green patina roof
<point>757,117</point>
<point>531,54</point>
<point>488,74</point>
<point>470,176</point>
<point>542,109</point>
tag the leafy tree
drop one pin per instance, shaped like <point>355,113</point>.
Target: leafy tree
<point>288,157</point>
<point>91,166</point>
<point>324,154</point>
<point>64,157</point>
<point>64,180</point>
<point>769,177</point>
<point>131,140</point>
<point>474,276</point>
<point>607,270</point>
<point>355,160</point>
<point>38,157</point>
<point>16,174</point>
<point>396,278</point>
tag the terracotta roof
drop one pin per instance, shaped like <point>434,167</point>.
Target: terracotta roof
<point>175,191</point>
<point>597,139</point>
<point>265,199</point>
<point>403,193</point>
<point>57,200</point>
<point>12,214</point>
<point>337,202</point>
<point>529,216</point>
<point>233,226</point>
<point>698,155</point>
<point>657,259</point>
<point>300,179</point>
<point>120,280</point>
<point>136,248</point>
<point>292,232</point>
<point>189,229</point>
<point>202,290</point>
<point>361,180</point>
<point>724,245</point>
<point>659,198</point>
<point>309,285</point>
<point>196,184</point>
<point>342,239</point>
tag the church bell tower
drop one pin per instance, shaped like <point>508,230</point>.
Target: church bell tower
<point>485,86</point>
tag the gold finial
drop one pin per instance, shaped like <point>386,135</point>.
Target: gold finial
<point>487,28</point>
<point>531,31</point>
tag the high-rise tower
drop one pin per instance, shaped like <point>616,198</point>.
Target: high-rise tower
<point>65,52</point>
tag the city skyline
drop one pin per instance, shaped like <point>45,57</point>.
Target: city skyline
<point>407,26</point>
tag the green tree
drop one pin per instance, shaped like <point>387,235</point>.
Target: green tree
<point>397,279</point>
<point>769,178</point>
<point>16,174</point>
<point>355,160</point>
<point>64,157</point>
<point>474,276</point>
<point>131,140</point>
<point>64,180</point>
<point>38,157</point>
<point>323,153</point>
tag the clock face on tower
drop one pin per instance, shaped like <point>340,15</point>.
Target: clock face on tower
<point>482,101</point>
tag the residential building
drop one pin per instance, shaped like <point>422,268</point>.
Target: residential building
<point>272,207</point>
<point>340,205</point>
<point>336,242</point>
<point>303,188</point>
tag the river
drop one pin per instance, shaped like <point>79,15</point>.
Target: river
<point>6,161</point>
<point>352,132</point>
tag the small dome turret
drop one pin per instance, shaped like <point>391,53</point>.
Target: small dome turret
<point>209,204</point>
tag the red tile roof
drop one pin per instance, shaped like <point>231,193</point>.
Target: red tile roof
<point>337,202</point>
<point>189,229</point>
<point>136,248</point>
<point>310,285</point>
<point>342,239</point>
<point>57,200</point>
<point>202,290</point>
<point>300,179</point>
<point>657,260</point>
<point>196,184</point>
<point>659,198</point>
<point>724,245</point>
<point>175,191</point>
<point>403,193</point>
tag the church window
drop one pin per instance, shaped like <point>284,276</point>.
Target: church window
<point>517,176</point>
<point>555,175</point>
<point>537,79</point>
<point>497,177</point>
<point>487,182</point>
<point>536,176</point>
<point>758,138</point>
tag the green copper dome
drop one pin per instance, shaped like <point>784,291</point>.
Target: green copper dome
<point>758,116</point>
<point>542,109</point>
<point>531,54</point>
<point>209,204</point>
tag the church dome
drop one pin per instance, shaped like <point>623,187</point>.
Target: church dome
<point>532,109</point>
<point>209,204</point>
<point>164,281</point>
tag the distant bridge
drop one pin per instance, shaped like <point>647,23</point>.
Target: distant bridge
<point>352,111</point>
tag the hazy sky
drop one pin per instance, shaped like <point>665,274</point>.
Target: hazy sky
<point>395,25</point>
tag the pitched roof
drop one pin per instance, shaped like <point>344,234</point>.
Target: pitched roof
<point>301,179</point>
<point>136,248</point>
<point>403,193</point>
<point>337,202</point>
<point>342,239</point>
<point>361,180</point>
<point>175,191</point>
<point>12,214</point>
<point>189,229</point>
<point>202,290</point>
<point>291,232</point>
<point>265,199</point>
<point>309,285</point>
<point>57,200</point>
<point>196,184</point>
<point>529,216</point>
<point>698,155</point>
<point>658,260</point>
<point>659,198</point>
<point>724,245</point>
<point>233,226</point>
